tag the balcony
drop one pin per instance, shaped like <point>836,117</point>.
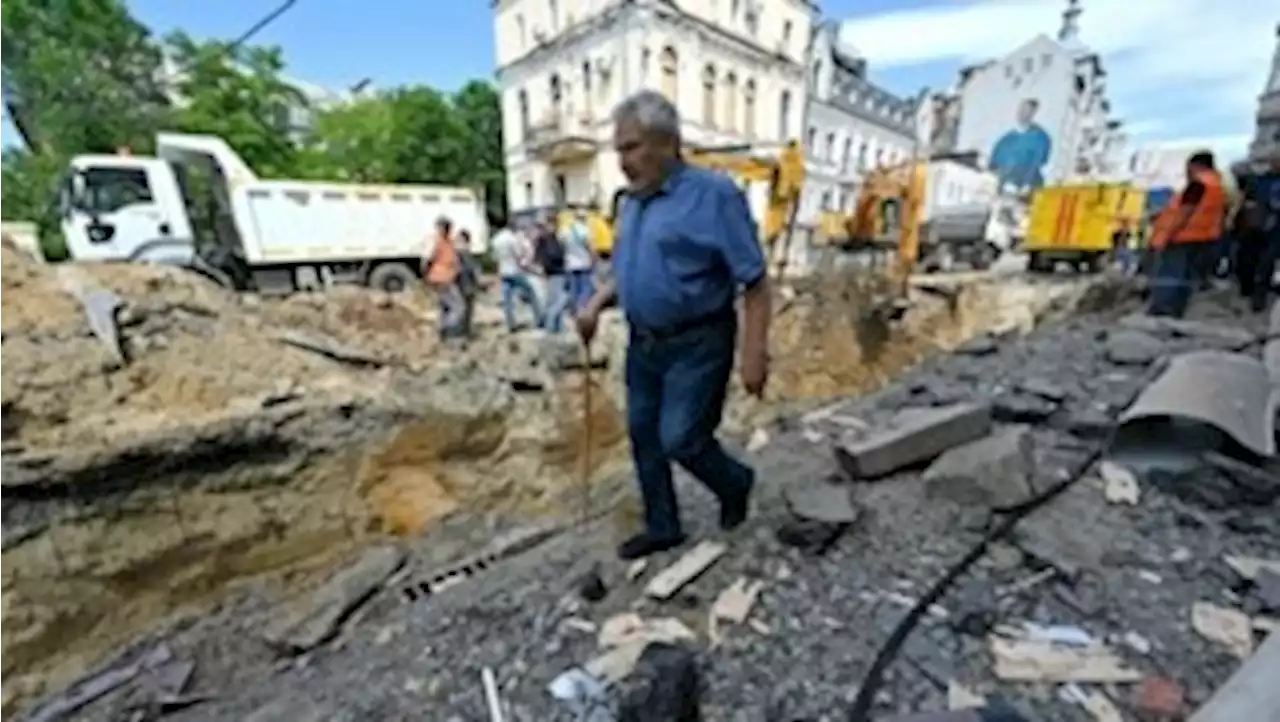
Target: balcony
<point>563,138</point>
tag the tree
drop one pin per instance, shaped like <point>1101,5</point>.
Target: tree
<point>236,93</point>
<point>353,142</point>
<point>80,75</point>
<point>479,109</point>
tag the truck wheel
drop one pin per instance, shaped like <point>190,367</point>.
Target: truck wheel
<point>1036,263</point>
<point>392,277</point>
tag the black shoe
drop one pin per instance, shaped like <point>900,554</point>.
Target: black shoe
<point>735,511</point>
<point>642,545</point>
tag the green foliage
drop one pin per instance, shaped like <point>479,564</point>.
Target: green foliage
<point>480,109</point>
<point>236,92</point>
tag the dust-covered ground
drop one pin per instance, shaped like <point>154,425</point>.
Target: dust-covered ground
<point>216,474</point>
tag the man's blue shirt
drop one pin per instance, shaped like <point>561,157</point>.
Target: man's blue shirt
<point>1018,158</point>
<point>682,253</point>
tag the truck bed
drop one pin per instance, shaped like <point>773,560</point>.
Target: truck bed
<point>286,221</point>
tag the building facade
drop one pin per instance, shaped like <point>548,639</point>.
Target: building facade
<point>1040,115</point>
<point>1266,139</point>
<point>852,125</point>
<point>734,68</point>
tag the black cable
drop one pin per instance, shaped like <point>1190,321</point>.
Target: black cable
<point>889,650</point>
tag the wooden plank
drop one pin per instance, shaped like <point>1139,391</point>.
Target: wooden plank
<point>1035,661</point>
<point>687,568</point>
<point>1249,694</point>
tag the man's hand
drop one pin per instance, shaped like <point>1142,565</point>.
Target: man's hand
<point>755,372</point>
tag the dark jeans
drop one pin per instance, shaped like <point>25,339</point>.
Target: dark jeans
<point>581,286</point>
<point>518,287</point>
<point>1255,265</point>
<point>676,390</point>
<point>557,303</point>
<point>1176,276</point>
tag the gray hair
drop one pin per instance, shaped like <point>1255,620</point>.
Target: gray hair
<point>652,111</point>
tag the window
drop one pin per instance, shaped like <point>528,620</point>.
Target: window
<point>1008,72</point>
<point>862,156</point>
<point>749,109</point>
<point>811,140</point>
<point>670,68</point>
<point>731,102</point>
<point>826,200</point>
<point>553,10</point>
<point>845,153</point>
<point>879,157</point>
<point>107,190</point>
<point>522,32</point>
<point>586,79</point>
<point>644,63</point>
<point>786,34</point>
<point>735,9</point>
<point>709,96</point>
<point>556,93</point>
<point>830,153</point>
<point>784,115</point>
<point>522,100</point>
<point>1028,65</point>
<point>816,73</point>
<point>562,190</point>
<point>1046,60</point>
<point>528,194</point>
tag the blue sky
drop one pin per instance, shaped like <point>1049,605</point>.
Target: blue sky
<point>1162,83</point>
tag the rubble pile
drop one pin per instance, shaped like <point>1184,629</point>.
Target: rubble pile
<point>1115,599</point>
<point>165,440</point>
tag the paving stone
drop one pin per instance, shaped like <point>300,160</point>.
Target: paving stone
<point>922,436</point>
<point>992,471</point>
<point>1133,348</point>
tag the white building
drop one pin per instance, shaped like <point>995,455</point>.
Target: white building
<point>1266,140</point>
<point>1062,86</point>
<point>734,68</point>
<point>852,126</point>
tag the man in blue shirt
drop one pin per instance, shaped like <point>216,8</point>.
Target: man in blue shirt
<point>686,246</point>
<point>1020,155</point>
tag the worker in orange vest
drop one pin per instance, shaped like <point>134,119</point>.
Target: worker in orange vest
<point>1185,234</point>
<point>442,269</point>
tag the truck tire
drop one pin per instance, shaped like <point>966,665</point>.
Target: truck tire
<point>392,277</point>
<point>1037,263</point>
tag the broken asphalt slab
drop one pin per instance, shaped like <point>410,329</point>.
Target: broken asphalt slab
<point>918,435</point>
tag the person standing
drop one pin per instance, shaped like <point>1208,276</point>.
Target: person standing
<point>548,253</point>
<point>1258,227</point>
<point>442,268</point>
<point>510,250</point>
<point>686,248</point>
<point>1184,232</point>
<point>580,261</point>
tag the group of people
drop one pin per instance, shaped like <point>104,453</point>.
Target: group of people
<point>565,262</point>
<point>1201,233</point>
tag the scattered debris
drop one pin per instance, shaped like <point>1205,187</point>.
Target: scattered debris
<point>1251,693</point>
<point>995,470</point>
<point>636,569</point>
<point>1137,642</point>
<point>733,605</point>
<point>1229,627</point>
<point>814,538</point>
<point>961,697</point>
<point>583,695</point>
<point>591,585</point>
<point>694,562</point>
<point>1132,348</point>
<point>1043,388</point>
<point>665,687</point>
<point>1096,703</point>
<point>491,697</point>
<point>1064,634</point>
<point>1120,484</point>
<point>821,500</point>
<point>82,693</point>
<point>628,628</point>
<point>921,435</point>
<point>759,439</point>
<point>329,348</point>
<point>1024,660</point>
<point>1249,567</point>
<point>312,621</point>
<point>1160,698</point>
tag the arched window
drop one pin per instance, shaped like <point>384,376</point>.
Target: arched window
<point>669,64</point>
<point>784,115</point>
<point>557,94</point>
<point>522,101</point>
<point>709,96</point>
<point>731,102</point>
<point>749,109</point>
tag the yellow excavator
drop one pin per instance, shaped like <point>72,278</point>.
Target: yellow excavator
<point>783,173</point>
<point>886,215</point>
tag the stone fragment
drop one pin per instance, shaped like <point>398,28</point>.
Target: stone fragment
<point>665,687</point>
<point>922,436</point>
<point>992,471</point>
<point>1089,423</point>
<point>1043,388</point>
<point>1250,567</point>
<point>1120,485</point>
<point>629,627</point>
<point>315,619</point>
<point>1132,348</point>
<point>735,602</point>
<point>820,500</point>
<point>812,537</point>
<point>1230,628</point>
<point>1018,408</point>
<point>1268,589</point>
<point>961,697</point>
<point>1211,335</point>
<point>687,568</point>
<point>1020,660</point>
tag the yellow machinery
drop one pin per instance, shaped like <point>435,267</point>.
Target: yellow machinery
<point>1075,223</point>
<point>887,215</point>
<point>784,175</point>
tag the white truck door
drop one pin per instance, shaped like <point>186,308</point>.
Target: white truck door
<point>115,212</point>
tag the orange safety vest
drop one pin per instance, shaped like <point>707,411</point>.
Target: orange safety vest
<point>445,266</point>
<point>1205,223</point>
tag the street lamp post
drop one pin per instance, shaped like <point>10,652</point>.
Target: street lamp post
<point>264,22</point>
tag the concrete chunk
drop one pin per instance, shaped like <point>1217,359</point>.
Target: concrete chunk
<point>995,470</point>
<point>924,434</point>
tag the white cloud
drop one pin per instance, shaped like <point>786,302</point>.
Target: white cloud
<point>1175,67</point>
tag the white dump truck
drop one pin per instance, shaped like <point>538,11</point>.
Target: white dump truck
<point>199,206</point>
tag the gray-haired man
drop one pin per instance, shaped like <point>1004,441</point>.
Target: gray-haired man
<point>686,246</point>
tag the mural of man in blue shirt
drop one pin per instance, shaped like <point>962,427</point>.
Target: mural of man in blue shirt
<point>1020,155</point>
